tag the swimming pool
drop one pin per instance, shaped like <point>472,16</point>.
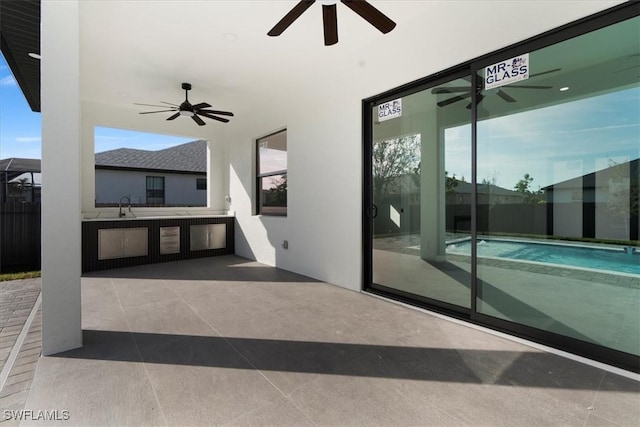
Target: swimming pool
<point>619,260</point>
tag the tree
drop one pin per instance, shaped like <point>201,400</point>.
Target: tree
<point>277,194</point>
<point>19,186</point>
<point>524,186</point>
<point>393,159</point>
<point>451,182</point>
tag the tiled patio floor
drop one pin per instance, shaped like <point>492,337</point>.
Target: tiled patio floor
<point>226,341</point>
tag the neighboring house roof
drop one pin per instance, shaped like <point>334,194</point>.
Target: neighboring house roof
<point>189,157</point>
<point>464,187</point>
<point>621,170</point>
<point>408,183</point>
<point>13,167</point>
<point>16,164</point>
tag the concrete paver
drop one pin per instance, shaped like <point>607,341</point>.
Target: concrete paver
<point>18,299</point>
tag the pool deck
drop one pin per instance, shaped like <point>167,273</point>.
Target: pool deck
<point>228,341</point>
<point>410,244</point>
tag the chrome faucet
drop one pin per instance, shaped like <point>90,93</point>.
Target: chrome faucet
<point>120,213</point>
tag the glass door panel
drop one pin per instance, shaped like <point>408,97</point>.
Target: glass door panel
<point>421,185</point>
<point>557,190</point>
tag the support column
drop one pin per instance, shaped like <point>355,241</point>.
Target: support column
<point>431,203</point>
<point>61,176</point>
<point>216,188</point>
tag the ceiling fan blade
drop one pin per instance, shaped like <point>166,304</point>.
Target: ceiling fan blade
<point>168,103</point>
<point>454,99</point>
<point>288,19</point>
<point>452,89</point>
<point>201,105</point>
<point>175,116</point>
<point>371,15</point>
<point>198,120</point>
<point>480,98</point>
<point>153,105</point>
<point>505,96</point>
<point>151,112</point>
<point>545,72</point>
<point>219,113</point>
<point>330,20</point>
<point>220,119</point>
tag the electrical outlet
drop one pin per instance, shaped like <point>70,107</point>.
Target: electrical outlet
<point>285,244</point>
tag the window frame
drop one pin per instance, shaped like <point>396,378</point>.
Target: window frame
<point>147,190</point>
<point>201,183</point>
<point>259,197</point>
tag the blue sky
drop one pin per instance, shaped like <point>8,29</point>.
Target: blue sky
<point>20,130</point>
<point>552,144</point>
<point>19,126</point>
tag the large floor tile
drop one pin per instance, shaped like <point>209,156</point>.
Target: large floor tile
<point>100,393</point>
<point>365,401</point>
<point>171,316</point>
<point>280,412</point>
<point>135,292</point>
<point>101,306</point>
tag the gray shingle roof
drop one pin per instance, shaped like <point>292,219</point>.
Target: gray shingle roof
<point>189,157</point>
<point>16,164</point>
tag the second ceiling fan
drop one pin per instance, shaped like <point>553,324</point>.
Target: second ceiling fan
<point>330,18</point>
<point>189,110</point>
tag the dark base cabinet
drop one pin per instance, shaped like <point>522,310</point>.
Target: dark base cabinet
<point>162,240</point>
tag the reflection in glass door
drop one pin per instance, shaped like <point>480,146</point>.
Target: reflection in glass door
<point>557,220</point>
<point>421,192</point>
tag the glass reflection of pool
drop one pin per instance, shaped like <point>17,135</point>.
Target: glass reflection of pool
<point>621,260</point>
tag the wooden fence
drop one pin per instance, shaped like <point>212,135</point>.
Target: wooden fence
<point>19,236</point>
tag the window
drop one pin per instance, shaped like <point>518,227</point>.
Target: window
<point>124,159</point>
<point>271,174</point>
<point>155,190</point>
<point>201,183</point>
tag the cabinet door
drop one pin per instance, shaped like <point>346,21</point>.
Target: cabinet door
<point>110,243</point>
<point>217,236</point>
<point>207,236</point>
<point>136,241</point>
<point>199,237</point>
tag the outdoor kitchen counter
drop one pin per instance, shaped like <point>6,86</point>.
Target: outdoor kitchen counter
<point>124,242</point>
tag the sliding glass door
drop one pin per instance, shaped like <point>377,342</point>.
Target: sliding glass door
<point>508,193</point>
<point>421,189</point>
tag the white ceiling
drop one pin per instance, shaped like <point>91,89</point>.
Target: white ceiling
<point>140,51</point>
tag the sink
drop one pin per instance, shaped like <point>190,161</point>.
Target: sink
<point>113,215</point>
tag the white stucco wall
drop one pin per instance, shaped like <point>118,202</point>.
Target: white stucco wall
<point>323,118</point>
<point>321,110</point>
<point>180,189</point>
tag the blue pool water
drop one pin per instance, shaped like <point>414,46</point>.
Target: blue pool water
<point>587,257</point>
